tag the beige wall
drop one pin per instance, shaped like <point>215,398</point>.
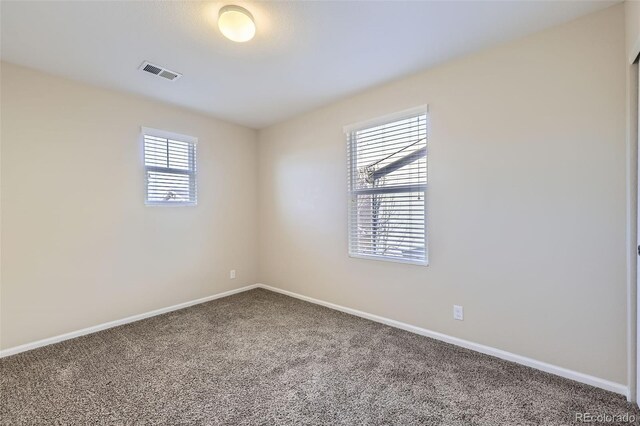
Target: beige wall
<point>79,247</point>
<point>526,200</point>
<point>632,25</point>
<point>632,11</point>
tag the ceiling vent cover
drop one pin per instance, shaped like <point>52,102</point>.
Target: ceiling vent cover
<point>159,71</point>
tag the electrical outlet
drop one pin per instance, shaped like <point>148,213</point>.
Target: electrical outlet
<point>458,312</point>
<point>232,274</point>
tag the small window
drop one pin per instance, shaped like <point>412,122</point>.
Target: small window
<point>387,166</point>
<point>170,168</point>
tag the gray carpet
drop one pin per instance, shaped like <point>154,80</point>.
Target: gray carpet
<point>261,358</point>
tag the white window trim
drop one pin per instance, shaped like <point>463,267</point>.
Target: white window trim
<point>166,135</point>
<point>399,115</point>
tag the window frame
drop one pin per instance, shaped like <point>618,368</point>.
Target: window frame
<point>351,194</point>
<point>193,174</point>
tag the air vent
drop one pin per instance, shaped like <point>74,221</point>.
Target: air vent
<point>159,71</point>
<point>170,75</point>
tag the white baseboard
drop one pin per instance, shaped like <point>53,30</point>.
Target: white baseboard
<point>529,362</point>
<point>488,350</point>
<point>55,339</point>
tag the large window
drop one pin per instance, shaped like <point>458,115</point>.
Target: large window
<point>170,168</point>
<point>387,185</point>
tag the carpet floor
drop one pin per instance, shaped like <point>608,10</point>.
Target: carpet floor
<point>261,358</point>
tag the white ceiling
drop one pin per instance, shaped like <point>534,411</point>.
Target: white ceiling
<point>305,54</point>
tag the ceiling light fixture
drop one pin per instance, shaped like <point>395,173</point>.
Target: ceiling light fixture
<point>236,23</point>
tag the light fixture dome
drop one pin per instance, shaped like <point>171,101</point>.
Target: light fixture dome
<point>236,23</point>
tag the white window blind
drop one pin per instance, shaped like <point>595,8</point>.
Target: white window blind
<point>170,168</point>
<point>387,185</point>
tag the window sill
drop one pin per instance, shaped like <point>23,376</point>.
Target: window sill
<point>171,204</point>
<point>392,260</point>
